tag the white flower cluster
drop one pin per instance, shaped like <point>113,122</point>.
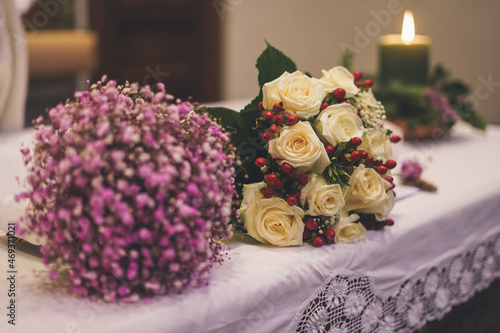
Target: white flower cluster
<point>372,112</point>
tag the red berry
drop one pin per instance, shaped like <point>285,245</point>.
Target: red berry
<point>392,186</point>
<point>368,83</point>
<point>357,84</point>
<point>355,155</point>
<point>369,160</point>
<point>277,107</point>
<point>390,164</point>
<point>286,167</point>
<point>389,179</point>
<point>311,224</point>
<point>278,185</point>
<point>356,141</point>
<point>292,120</point>
<point>278,119</point>
<point>271,178</point>
<point>303,178</point>
<point>363,154</point>
<point>378,162</point>
<point>266,136</point>
<point>268,115</point>
<point>291,200</point>
<point>395,138</point>
<point>261,105</point>
<point>357,76</point>
<point>329,149</point>
<point>268,192</point>
<point>324,106</point>
<point>260,162</point>
<point>339,94</point>
<point>381,169</point>
<point>389,222</point>
<point>306,235</point>
<point>297,195</point>
<point>318,241</point>
<point>292,173</point>
<point>330,235</point>
<point>273,129</point>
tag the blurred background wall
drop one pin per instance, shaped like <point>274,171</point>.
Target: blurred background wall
<point>207,48</point>
<point>465,38</point>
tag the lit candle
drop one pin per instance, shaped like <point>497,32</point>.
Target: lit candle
<point>404,57</point>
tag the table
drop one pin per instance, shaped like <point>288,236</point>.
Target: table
<point>444,247</point>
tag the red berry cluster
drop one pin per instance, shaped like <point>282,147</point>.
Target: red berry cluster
<point>350,154</point>
<point>284,177</point>
<point>317,232</point>
<point>357,80</point>
<point>287,177</point>
<point>271,119</point>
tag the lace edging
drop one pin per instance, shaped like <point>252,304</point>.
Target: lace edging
<point>347,301</point>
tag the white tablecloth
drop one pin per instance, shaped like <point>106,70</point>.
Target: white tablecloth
<point>443,248</point>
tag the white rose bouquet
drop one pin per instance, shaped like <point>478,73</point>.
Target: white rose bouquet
<point>315,155</point>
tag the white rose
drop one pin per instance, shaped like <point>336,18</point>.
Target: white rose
<point>301,95</point>
<point>251,193</point>
<point>322,198</point>
<point>339,77</point>
<point>368,193</point>
<point>377,144</point>
<point>271,221</point>
<point>339,123</point>
<point>367,98</point>
<point>346,231</point>
<point>299,146</point>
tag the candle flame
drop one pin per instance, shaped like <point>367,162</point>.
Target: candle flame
<point>408,33</point>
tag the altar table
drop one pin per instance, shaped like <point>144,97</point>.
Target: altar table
<point>443,248</point>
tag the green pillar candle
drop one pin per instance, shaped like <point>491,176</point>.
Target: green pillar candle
<point>405,62</point>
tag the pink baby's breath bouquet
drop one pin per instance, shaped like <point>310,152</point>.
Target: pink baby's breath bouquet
<point>317,157</point>
<point>132,189</point>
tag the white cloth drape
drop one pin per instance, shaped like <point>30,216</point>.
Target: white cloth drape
<point>13,67</point>
<point>444,247</point>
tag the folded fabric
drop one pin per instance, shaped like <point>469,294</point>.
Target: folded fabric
<point>11,212</point>
<point>13,66</point>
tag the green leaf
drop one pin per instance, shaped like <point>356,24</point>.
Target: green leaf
<point>455,88</point>
<point>246,120</point>
<point>468,114</point>
<point>272,63</point>
<point>440,73</point>
<point>337,173</point>
<point>224,116</point>
<point>254,104</point>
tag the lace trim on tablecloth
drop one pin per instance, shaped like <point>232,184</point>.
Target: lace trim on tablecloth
<point>347,302</point>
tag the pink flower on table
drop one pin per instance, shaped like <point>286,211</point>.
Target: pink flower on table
<point>441,103</point>
<point>132,188</point>
<point>411,169</point>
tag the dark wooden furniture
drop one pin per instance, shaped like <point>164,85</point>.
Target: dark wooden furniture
<point>172,41</point>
